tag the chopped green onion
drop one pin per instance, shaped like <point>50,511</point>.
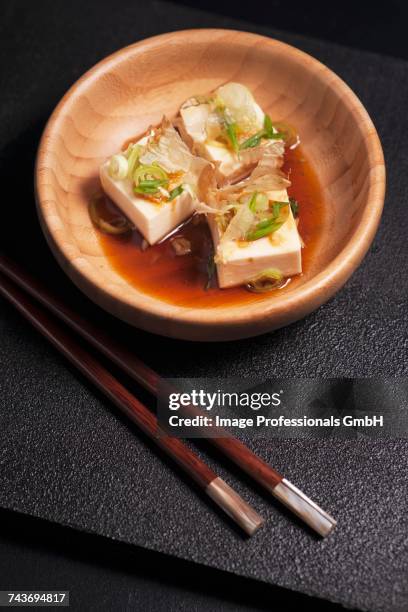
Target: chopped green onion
<point>253,141</point>
<point>276,136</point>
<point>294,205</point>
<point>288,133</point>
<point>131,147</point>
<point>252,202</point>
<point>174,193</point>
<point>232,135</point>
<point>146,190</point>
<point>228,125</point>
<point>276,208</point>
<point>268,127</point>
<point>152,183</point>
<point>133,154</point>
<point>148,179</point>
<point>266,281</point>
<point>117,225</point>
<point>150,186</point>
<point>269,224</point>
<point>118,167</point>
<point>267,132</point>
<point>264,228</point>
<point>147,172</point>
<point>265,223</point>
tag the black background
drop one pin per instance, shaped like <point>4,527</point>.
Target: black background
<point>45,46</point>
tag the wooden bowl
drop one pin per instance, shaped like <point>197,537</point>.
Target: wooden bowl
<point>132,89</point>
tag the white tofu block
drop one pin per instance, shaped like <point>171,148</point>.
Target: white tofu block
<point>228,166</point>
<point>152,220</point>
<point>192,126</point>
<point>247,260</point>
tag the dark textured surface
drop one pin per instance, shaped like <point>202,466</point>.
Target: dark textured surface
<point>65,455</point>
<point>102,574</point>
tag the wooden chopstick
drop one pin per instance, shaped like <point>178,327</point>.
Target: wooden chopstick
<point>230,446</point>
<point>214,486</point>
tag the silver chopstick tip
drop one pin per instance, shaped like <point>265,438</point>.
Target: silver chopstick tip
<point>304,508</point>
<point>233,504</point>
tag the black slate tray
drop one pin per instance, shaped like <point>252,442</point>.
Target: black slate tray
<point>67,457</point>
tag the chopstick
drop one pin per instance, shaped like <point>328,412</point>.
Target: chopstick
<point>234,449</point>
<point>206,479</point>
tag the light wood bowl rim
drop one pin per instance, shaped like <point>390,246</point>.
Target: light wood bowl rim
<point>225,321</point>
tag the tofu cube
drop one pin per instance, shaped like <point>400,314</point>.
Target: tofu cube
<point>192,126</point>
<point>154,221</point>
<point>246,260</point>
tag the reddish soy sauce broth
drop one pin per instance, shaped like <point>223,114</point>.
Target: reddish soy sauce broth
<point>182,280</point>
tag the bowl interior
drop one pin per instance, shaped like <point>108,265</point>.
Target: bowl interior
<point>132,89</point>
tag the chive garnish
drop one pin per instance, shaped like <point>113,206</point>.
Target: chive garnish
<point>266,281</point>
<point>294,204</point>
<point>148,178</point>
<point>152,183</point>
<point>252,202</point>
<point>267,227</point>
<point>253,141</point>
<point>268,127</point>
<point>277,136</point>
<point>146,190</point>
<point>232,135</point>
<point>229,126</point>
<point>174,193</point>
<point>276,207</point>
<point>266,132</point>
<point>265,223</point>
<point>150,186</point>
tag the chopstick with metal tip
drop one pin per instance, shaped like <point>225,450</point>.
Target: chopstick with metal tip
<point>214,486</point>
<point>234,449</point>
